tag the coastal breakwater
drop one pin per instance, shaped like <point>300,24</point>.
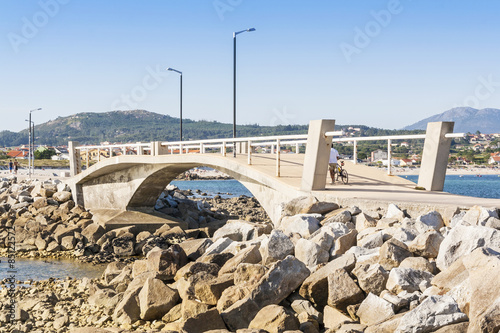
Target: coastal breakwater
<point>320,268</point>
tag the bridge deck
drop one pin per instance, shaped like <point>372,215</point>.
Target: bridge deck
<point>365,183</point>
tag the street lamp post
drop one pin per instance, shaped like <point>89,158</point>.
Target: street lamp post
<point>30,148</point>
<point>234,84</point>
<point>174,70</point>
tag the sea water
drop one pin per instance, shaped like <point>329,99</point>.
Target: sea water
<point>486,186</point>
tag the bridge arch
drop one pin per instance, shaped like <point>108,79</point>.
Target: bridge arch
<point>129,183</point>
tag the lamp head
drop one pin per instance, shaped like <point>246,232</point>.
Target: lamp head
<point>251,29</point>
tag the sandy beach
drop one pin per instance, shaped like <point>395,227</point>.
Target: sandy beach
<point>475,170</point>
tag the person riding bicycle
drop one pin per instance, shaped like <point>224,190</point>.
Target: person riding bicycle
<point>332,163</point>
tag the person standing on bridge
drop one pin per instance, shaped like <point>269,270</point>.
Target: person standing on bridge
<point>332,163</point>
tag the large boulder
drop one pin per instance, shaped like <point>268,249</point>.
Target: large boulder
<point>274,318</point>
<point>478,215</point>
<point>156,299</point>
<point>307,205</point>
<point>316,284</point>
<point>407,279</point>
<point>462,240</point>
<point>250,255</point>
<point>166,262</point>
<point>310,253</point>
<point>342,290</point>
<point>483,266</point>
<point>280,281</point>
<point>276,247</point>
<point>208,320</point>
<point>431,220</point>
<point>371,278</point>
<point>433,313</point>
<point>394,211</point>
<point>62,196</point>
<point>392,253</point>
<point>374,309</point>
<point>427,244</point>
<point>210,291</point>
<point>93,232</point>
<point>236,230</point>
<point>304,225</point>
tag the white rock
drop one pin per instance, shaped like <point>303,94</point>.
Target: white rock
<point>310,253</point>
<point>236,230</point>
<point>462,240</point>
<point>393,211</point>
<point>433,313</point>
<point>218,246</point>
<point>374,309</point>
<point>431,220</point>
<point>304,224</point>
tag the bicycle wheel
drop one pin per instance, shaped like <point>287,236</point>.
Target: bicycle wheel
<point>344,176</point>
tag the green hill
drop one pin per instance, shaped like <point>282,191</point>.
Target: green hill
<point>145,126</point>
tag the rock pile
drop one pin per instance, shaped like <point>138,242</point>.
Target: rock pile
<point>47,222</point>
<point>320,268</point>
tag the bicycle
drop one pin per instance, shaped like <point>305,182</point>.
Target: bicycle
<point>342,173</point>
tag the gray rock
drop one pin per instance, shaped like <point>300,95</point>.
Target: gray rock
<point>434,313</point>
<point>280,281</point>
<point>407,279</point>
<point>274,318</point>
<point>310,253</point>
<point>392,253</point>
<point>124,246</point>
<point>431,220</point>
<point>427,244</point>
<point>316,284</point>
<point>156,299</point>
<point>276,247</point>
<point>93,232</point>
<point>166,263</point>
<point>342,290</point>
<point>371,278</point>
<point>479,215</point>
<point>364,221</point>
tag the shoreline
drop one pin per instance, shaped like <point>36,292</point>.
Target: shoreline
<point>396,171</point>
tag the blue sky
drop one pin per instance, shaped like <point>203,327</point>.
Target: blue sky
<point>380,63</point>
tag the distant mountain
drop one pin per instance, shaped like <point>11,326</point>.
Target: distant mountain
<point>466,120</point>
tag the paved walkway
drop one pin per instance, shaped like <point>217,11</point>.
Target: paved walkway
<point>365,183</point>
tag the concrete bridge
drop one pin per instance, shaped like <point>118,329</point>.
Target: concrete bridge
<point>134,182</point>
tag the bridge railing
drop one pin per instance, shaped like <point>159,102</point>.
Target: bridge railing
<point>389,139</point>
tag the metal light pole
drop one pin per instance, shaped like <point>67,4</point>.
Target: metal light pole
<point>234,84</point>
<point>30,148</point>
<point>174,70</point>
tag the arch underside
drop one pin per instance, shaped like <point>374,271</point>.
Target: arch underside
<point>137,186</point>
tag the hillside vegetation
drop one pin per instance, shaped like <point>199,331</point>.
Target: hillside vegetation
<point>145,126</point>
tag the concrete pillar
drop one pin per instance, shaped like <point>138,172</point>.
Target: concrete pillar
<point>158,149</point>
<point>317,154</point>
<point>140,149</point>
<point>75,163</point>
<point>435,156</point>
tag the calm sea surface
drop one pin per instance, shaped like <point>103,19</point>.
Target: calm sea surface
<point>487,186</point>
<point>44,269</point>
<point>225,188</point>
